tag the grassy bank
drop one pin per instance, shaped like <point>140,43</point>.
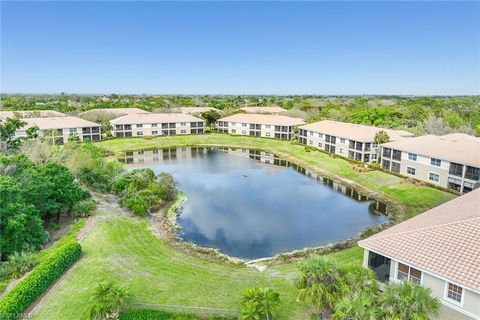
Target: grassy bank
<point>124,249</point>
<point>412,199</point>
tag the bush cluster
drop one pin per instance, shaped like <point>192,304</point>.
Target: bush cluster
<point>83,208</point>
<point>141,191</point>
<point>41,277</point>
<point>160,315</point>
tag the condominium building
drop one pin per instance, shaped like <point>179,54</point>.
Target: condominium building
<point>263,110</point>
<point>198,110</point>
<point>259,125</point>
<point>119,112</point>
<point>156,124</point>
<point>29,114</point>
<point>440,250</point>
<point>59,129</point>
<point>451,161</point>
<point>355,141</point>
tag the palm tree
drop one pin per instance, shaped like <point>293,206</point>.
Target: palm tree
<point>360,306</point>
<point>108,299</point>
<point>381,137</point>
<point>409,302</point>
<point>269,301</point>
<point>319,284</point>
<point>357,278</point>
<point>259,303</point>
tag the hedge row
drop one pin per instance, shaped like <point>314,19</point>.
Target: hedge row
<point>36,282</point>
<point>159,315</point>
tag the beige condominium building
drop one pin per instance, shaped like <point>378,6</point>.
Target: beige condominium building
<point>263,110</point>
<point>440,250</point>
<point>451,161</point>
<point>29,114</point>
<point>355,141</point>
<point>119,112</point>
<point>156,124</point>
<point>59,129</point>
<point>259,125</point>
<point>197,110</point>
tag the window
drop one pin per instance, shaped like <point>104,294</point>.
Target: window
<point>456,169</point>
<point>234,131</point>
<point>435,162</point>
<point>233,123</point>
<point>433,177</point>
<point>397,155</point>
<point>387,153</point>
<point>139,125</point>
<point>472,173</point>
<point>395,167</point>
<point>408,273</point>
<point>342,141</point>
<point>341,150</point>
<point>311,133</point>
<point>374,156</point>
<point>267,134</point>
<point>244,131</point>
<point>310,142</point>
<point>154,133</point>
<point>72,130</point>
<point>154,125</point>
<point>183,131</point>
<point>454,292</point>
<point>412,156</point>
<point>183,124</point>
<point>244,124</point>
<point>320,135</point>
<point>139,133</point>
<point>467,187</point>
<point>411,171</point>
<point>320,145</point>
<point>268,126</point>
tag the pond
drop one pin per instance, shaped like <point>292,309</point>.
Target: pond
<point>252,204</point>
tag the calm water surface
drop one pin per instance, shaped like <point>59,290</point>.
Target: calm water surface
<point>251,204</point>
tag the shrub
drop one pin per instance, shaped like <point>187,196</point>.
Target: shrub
<point>84,208</point>
<point>159,315</point>
<point>18,263</point>
<point>35,283</point>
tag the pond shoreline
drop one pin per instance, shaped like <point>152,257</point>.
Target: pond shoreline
<point>170,227</point>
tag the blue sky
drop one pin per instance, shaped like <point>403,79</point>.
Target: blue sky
<point>241,47</point>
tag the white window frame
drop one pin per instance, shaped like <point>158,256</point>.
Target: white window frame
<point>139,133</point>
<point>342,140</point>
<point>183,131</point>
<point>412,156</point>
<point>449,300</point>
<point>267,134</point>
<point>341,150</point>
<point>397,264</point>
<point>431,160</point>
<point>183,124</point>
<point>268,126</point>
<point>244,124</point>
<point>415,169</point>
<point>433,181</point>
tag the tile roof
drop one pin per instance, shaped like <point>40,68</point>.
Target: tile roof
<point>444,241</point>
<point>263,109</point>
<point>192,110</point>
<point>455,147</point>
<point>155,118</point>
<point>116,111</point>
<point>58,123</point>
<point>352,131</point>
<point>263,119</point>
<point>30,113</point>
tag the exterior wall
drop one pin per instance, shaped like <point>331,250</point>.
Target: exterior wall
<point>424,169</point>
<point>60,136</point>
<point>158,129</point>
<point>360,151</point>
<point>256,130</point>
<point>468,309</point>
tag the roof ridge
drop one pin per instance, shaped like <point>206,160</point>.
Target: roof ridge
<point>425,228</point>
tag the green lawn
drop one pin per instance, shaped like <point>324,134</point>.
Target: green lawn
<point>412,200</point>
<point>125,250</point>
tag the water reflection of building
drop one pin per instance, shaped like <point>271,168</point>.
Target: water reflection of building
<point>143,157</point>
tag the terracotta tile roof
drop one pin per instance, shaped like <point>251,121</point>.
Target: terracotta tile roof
<point>455,147</point>
<point>192,110</point>
<point>117,111</point>
<point>444,241</point>
<point>155,118</point>
<point>30,113</point>
<point>58,123</point>
<point>263,109</point>
<point>263,119</point>
<point>352,131</point>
